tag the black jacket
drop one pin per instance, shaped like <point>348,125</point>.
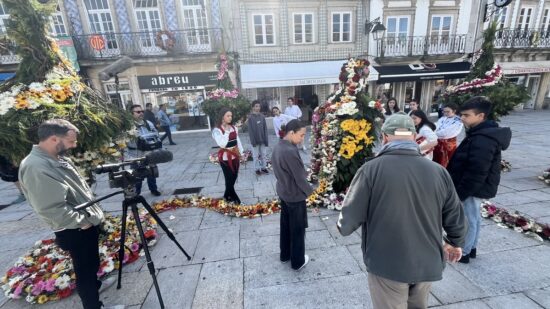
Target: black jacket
<point>475,165</point>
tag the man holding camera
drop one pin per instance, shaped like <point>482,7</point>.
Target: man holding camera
<point>147,140</point>
<point>53,188</point>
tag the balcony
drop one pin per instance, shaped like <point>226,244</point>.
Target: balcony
<point>517,38</point>
<point>7,52</point>
<point>148,44</point>
<point>421,45</point>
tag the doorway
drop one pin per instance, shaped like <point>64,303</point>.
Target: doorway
<point>532,88</point>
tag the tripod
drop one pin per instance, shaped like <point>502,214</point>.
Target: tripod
<point>131,199</point>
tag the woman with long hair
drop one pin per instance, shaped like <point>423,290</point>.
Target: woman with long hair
<point>391,106</point>
<point>293,190</point>
<point>425,135</point>
<point>227,137</point>
<point>448,128</point>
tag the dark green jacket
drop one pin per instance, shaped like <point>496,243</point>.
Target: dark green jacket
<point>403,202</point>
<point>53,190</point>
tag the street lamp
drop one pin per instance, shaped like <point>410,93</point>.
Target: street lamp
<point>377,29</point>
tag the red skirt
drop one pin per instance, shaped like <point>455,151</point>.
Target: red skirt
<point>444,151</point>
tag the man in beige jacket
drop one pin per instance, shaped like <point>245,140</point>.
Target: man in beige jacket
<point>54,188</point>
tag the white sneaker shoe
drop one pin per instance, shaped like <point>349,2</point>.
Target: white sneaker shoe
<point>105,284</point>
<point>306,260</point>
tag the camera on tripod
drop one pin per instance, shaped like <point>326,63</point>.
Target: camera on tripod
<point>140,168</point>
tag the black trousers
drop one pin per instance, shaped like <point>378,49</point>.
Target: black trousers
<point>167,133</point>
<point>230,178</point>
<point>83,248</point>
<point>293,232</point>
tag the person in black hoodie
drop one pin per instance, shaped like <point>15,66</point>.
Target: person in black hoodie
<point>475,165</point>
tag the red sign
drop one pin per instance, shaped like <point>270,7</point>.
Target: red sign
<point>97,42</point>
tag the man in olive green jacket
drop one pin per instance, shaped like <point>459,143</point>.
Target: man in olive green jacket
<point>54,188</point>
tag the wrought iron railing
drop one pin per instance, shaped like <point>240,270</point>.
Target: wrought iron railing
<point>148,44</point>
<point>514,38</point>
<point>7,52</point>
<point>421,45</point>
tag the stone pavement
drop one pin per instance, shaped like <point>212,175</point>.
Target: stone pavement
<point>235,261</point>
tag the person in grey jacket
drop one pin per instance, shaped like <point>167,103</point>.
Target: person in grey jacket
<point>53,188</point>
<point>293,190</point>
<point>165,123</point>
<point>402,234</point>
<point>257,131</point>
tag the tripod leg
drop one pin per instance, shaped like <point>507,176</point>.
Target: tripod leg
<point>121,243</point>
<point>170,235</point>
<point>150,264</point>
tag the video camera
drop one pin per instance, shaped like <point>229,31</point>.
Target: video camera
<point>140,169</point>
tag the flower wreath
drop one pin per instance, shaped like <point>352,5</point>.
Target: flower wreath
<point>165,40</point>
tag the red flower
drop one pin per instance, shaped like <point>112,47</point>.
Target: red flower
<point>546,231</point>
<point>150,234</point>
<point>521,222</point>
<point>356,78</point>
<point>64,293</point>
<point>47,241</point>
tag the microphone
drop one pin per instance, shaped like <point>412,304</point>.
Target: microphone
<point>116,67</point>
<point>158,156</point>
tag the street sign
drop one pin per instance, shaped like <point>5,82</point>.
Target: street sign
<point>97,42</point>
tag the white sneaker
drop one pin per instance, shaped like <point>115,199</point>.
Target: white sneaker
<point>114,307</point>
<point>105,284</point>
<point>306,260</point>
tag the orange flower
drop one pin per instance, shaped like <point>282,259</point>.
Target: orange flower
<point>21,102</point>
<point>59,96</point>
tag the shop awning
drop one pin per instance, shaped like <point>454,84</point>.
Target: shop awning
<point>515,68</point>
<point>293,74</point>
<point>4,76</point>
<point>420,72</point>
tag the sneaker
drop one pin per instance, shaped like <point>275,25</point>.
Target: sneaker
<point>465,259</point>
<point>265,170</point>
<point>20,199</point>
<point>306,260</point>
<point>156,193</point>
<point>473,253</point>
<point>105,284</point>
<point>258,172</point>
<point>114,307</point>
<point>284,262</point>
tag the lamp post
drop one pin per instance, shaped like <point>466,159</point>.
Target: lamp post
<point>377,29</point>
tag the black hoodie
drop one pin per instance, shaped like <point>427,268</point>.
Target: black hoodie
<point>475,165</point>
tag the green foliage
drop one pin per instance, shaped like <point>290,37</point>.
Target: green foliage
<point>486,60</point>
<point>240,107</point>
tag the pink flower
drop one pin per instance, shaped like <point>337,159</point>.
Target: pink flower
<point>37,288</point>
<point>18,290</point>
<point>134,247</point>
<point>50,285</point>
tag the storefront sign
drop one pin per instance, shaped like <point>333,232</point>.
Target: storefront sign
<point>66,46</point>
<point>175,82</point>
<point>514,71</point>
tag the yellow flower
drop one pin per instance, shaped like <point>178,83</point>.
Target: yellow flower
<point>59,96</point>
<point>42,299</point>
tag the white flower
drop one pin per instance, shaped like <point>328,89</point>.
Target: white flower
<point>37,87</point>
<point>349,108</point>
<point>56,87</point>
<point>63,282</point>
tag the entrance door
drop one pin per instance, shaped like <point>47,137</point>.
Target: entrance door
<point>532,88</point>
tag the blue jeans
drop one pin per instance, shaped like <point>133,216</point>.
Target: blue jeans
<point>472,211</point>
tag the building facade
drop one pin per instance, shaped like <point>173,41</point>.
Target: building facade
<point>522,47</point>
<point>424,49</point>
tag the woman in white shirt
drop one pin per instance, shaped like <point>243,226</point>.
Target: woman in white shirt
<point>279,120</point>
<point>229,155</point>
<point>292,109</point>
<point>448,128</point>
<point>425,135</point>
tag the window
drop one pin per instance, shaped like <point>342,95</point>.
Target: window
<point>195,20</point>
<point>264,32</point>
<point>3,17</point>
<point>441,26</point>
<point>303,28</point>
<point>500,17</point>
<point>524,18</point>
<point>341,27</point>
<point>99,15</point>
<point>545,24</point>
<point>57,26</point>
<point>397,27</point>
<point>148,21</point>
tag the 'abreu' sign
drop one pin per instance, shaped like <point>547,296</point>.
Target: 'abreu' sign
<point>177,80</point>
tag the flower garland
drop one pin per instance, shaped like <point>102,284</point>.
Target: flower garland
<point>545,176</point>
<point>492,77</point>
<point>515,221</point>
<point>46,273</point>
<point>223,75</point>
<point>219,205</point>
<point>219,93</point>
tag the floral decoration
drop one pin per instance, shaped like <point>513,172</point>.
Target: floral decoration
<point>515,221</point>
<point>46,273</point>
<point>505,166</point>
<point>492,77</point>
<point>219,205</point>
<point>343,133</point>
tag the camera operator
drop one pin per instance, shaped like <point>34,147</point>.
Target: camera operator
<point>53,188</point>
<point>147,140</point>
